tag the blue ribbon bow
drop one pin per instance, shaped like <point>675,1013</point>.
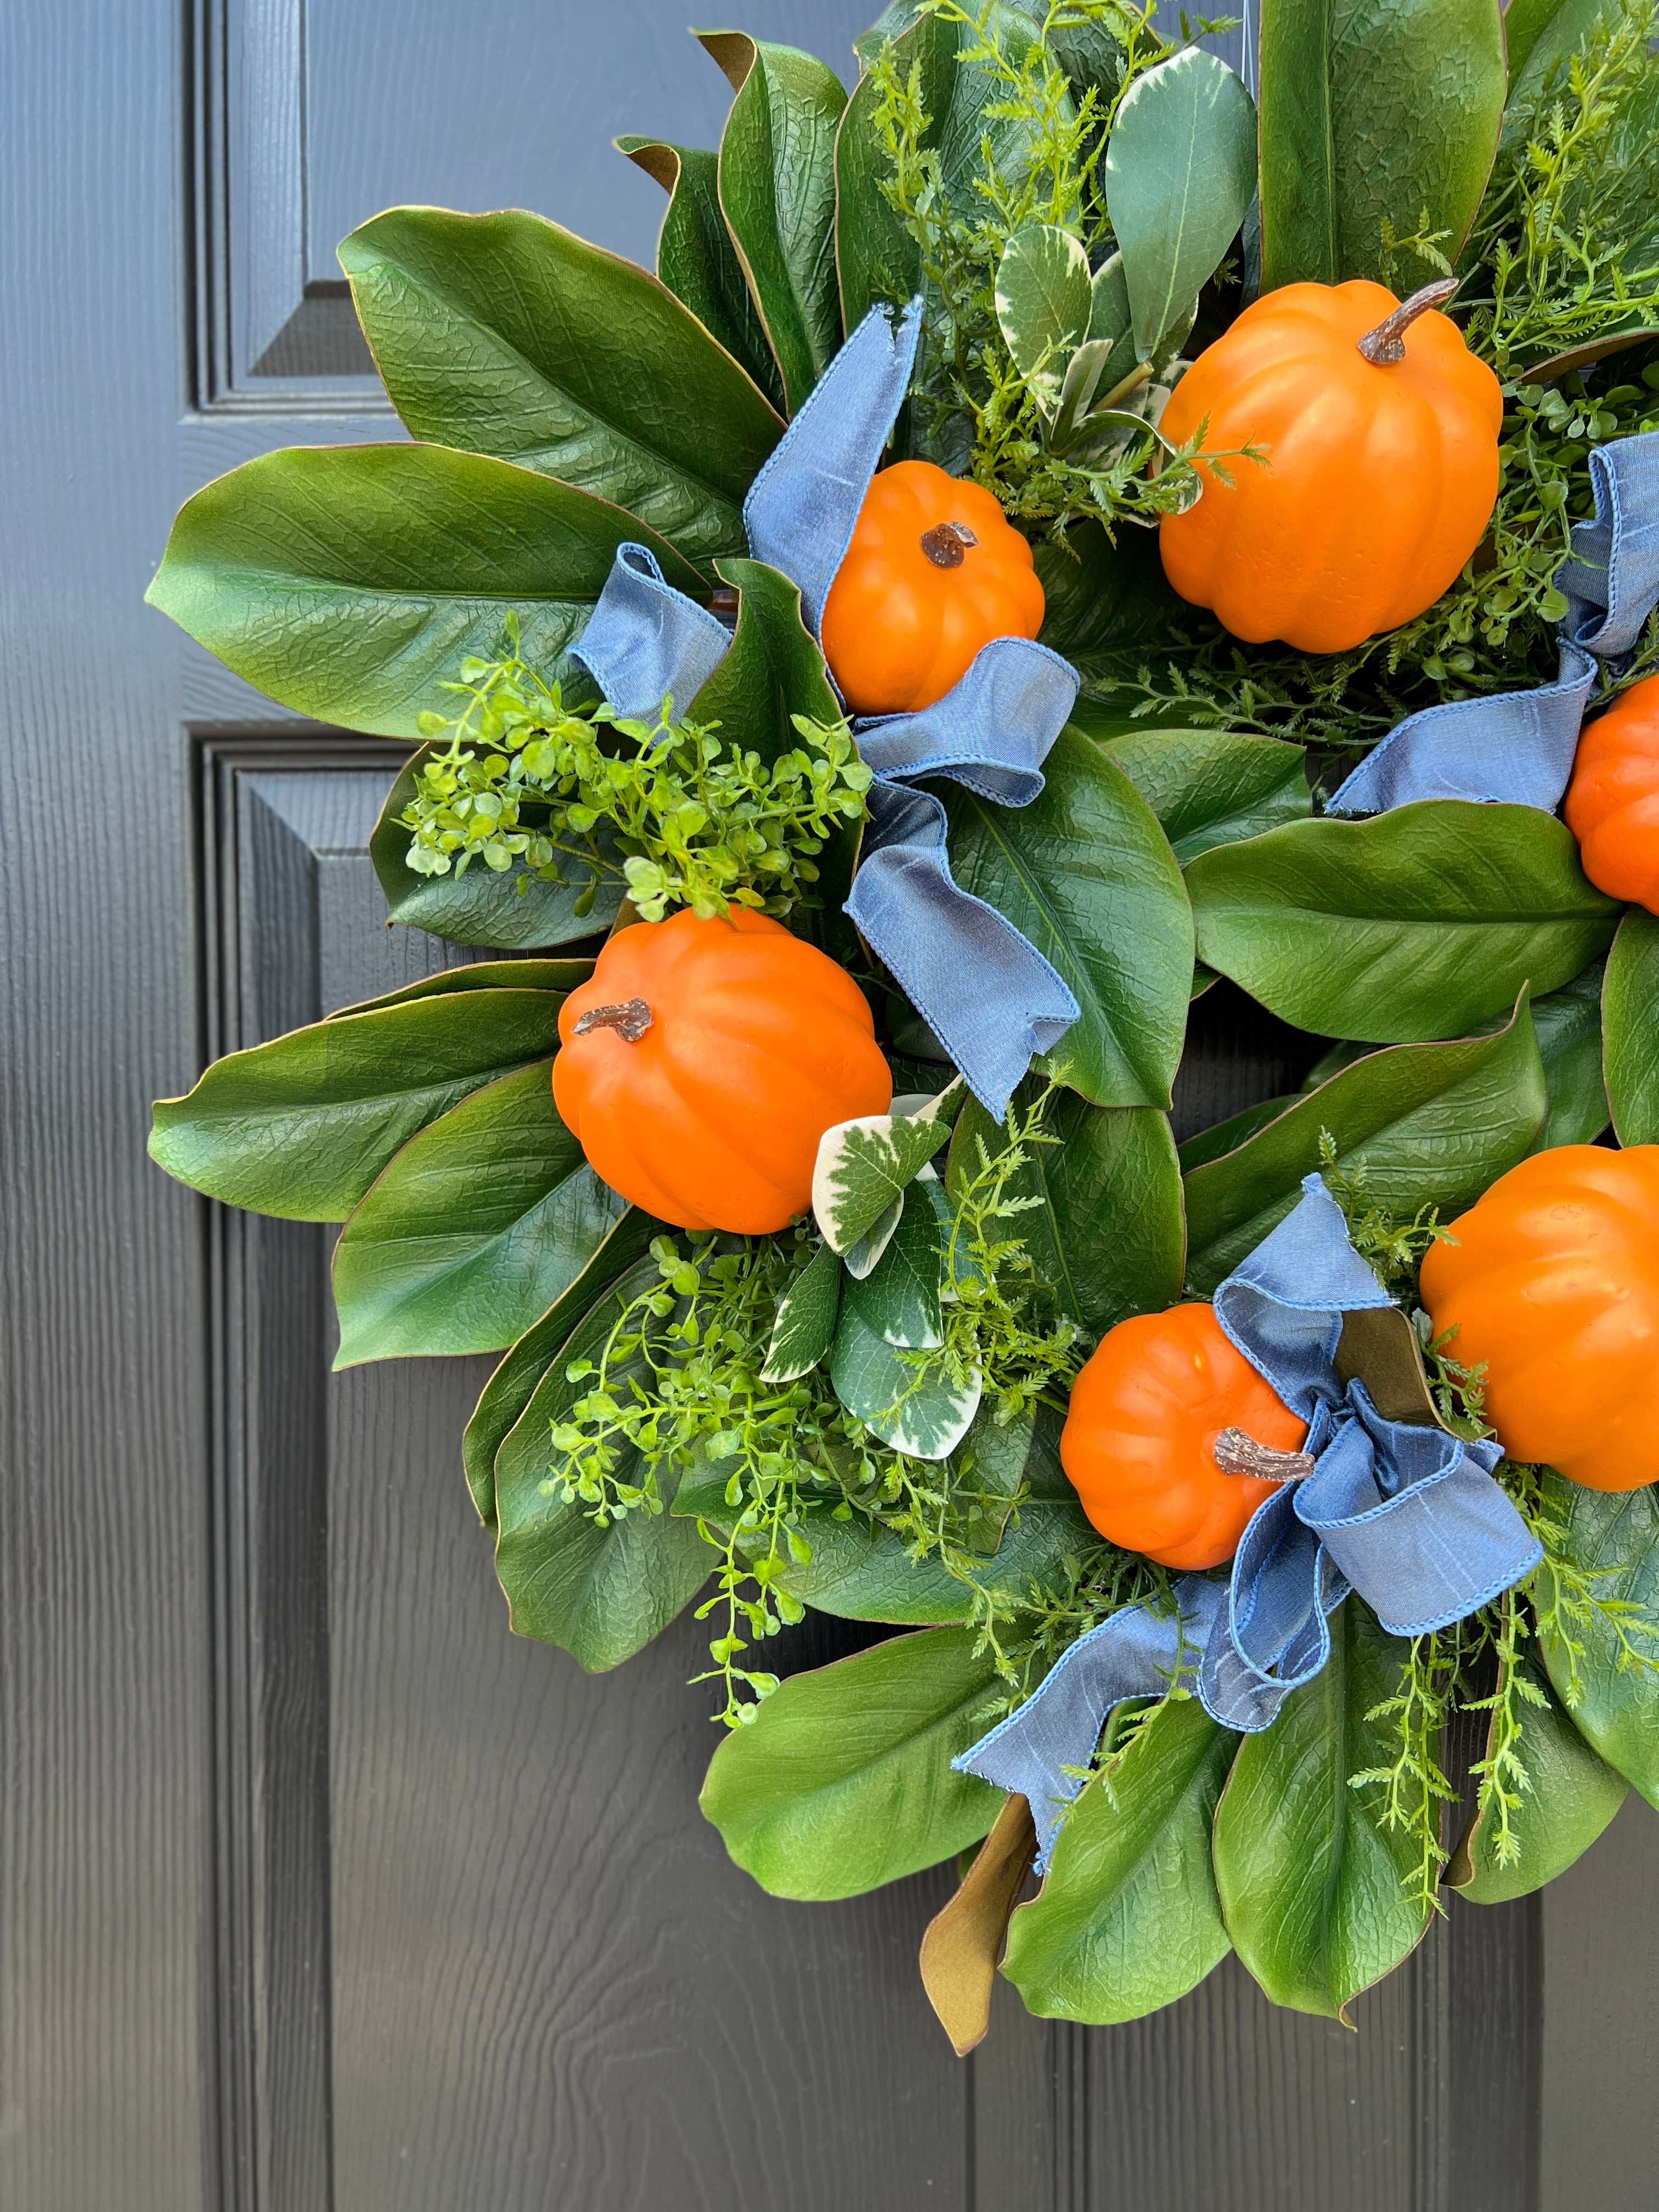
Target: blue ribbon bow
<point>1518,746</point>
<point>986,992</point>
<point>1401,1511</point>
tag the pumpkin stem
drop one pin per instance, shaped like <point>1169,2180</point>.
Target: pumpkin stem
<point>946,543</point>
<point>1238,1452</point>
<point>631,1020</point>
<point>1386,345</point>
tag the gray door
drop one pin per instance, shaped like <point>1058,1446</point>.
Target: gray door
<point>322,1893</point>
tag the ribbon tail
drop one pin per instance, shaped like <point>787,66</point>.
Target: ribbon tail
<point>1137,1653</point>
<point>1612,581</point>
<point>1273,1634</point>
<point>984,991</point>
<point>802,507</point>
<point>645,638</point>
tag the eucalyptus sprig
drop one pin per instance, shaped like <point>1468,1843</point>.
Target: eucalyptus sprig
<point>580,794</point>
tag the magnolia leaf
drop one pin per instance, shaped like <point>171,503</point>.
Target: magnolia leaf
<point>1315,1891</point>
<point>510,910</point>
<point>1569,1796</point>
<point>559,976</point>
<point>899,1396</point>
<point>1180,175</point>
<point>1085,873</point>
<point>696,259</point>
<point>1631,1016</point>
<point>472,1229</point>
<point>864,1166</point>
<point>1569,1026</point>
<point>599,1593</point>
<point>1429,1125</point>
<point>350,581</point>
<point>1423,922</point>
<point>777,193</point>
<point>1613,1538</point>
<point>1226,1136</point>
<point>843,1780</point>
<point>509,1389</point>
<point>899,1298</point>
<point>300,1128</point>
<point>805,1325</point>
<point>1128,1919</point>
<point>1042,303</point>
<point>1374,116</point>
<point>1106,1231</point>
<point>504,334</point>
<point>1210,787</point>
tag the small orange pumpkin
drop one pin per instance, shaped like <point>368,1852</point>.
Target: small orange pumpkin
<point>1553,1286</point>
<point>1613,802</point>
<point>702,1062</point>
<point>933,572</point>
<point>1139,1442</point>
<point>1381,432</point>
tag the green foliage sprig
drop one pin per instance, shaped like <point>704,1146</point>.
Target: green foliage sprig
<point>578,794</point>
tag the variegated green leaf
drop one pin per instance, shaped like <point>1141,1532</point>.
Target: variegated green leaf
<point>864,1165</point>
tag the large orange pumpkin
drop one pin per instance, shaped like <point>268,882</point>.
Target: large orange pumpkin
<point>1613,801</point>
<point>1553,1286</point>
<point>702,1062</point>
<point>1140,1441</point>
<point>1380,472</point>
<point>933,572</point>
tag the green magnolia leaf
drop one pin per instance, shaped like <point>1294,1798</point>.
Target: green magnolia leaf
<point>1313,1889</point>
<point>1085,873</point>
<point>1042,303</point>
<point>1569,1026</point>
<point>777,191</point>
<point>1631,1013</point>
<point>1210,1143</point>
<point>1571,1796</point>
<point>1109,611</point>
<point>696,259</point>
<point>509,1389</point>
<point>804,1327</point>
<point>1430,1124</point>
<point>875,258</point>
<point>1540,35</point>
<point>1210,787</point>
<point>1179,176</point>
<point>1108,1231</point>
<point>899,1299</point>
<point>300,1128</point>
<point>1092,57</point>
<point>561,976</point>
<point>600,1594</point>
<point>504,334</point>
<point>1374,112</point>
<point>912,1405</point>
<point>481,907</point>
<point>843,1781</point>
<point>1612,1536</point>
<point>864,1167</point>
<point>472,1229</point>
<point>1423,922</point>
<point>1127,1919</point>
<point>350,581</point>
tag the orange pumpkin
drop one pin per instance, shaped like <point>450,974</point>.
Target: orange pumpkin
<point>1613,802</point>
<point>933,572</point>
<point>1140,1441</point>
<point>702,1062</point>
<point>1381,473</point>
<point>1553,1286</point>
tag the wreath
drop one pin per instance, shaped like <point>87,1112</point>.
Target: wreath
<point>1017,561</point>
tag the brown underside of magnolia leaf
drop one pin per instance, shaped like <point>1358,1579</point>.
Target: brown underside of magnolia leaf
<point>962,1944</point>
<point>1379,1345</point>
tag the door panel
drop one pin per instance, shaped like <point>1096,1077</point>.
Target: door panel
<point>321,1891</point>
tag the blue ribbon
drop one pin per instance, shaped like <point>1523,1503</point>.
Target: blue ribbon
<point>986,992</point>
<point>1518,746</point>
<point>1403,1512</point>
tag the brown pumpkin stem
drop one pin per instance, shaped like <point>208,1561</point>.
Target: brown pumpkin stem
<point>1237,1452</point>
<point>946,543</point>
<point>631,1020</point>
<point>1386,345</point>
